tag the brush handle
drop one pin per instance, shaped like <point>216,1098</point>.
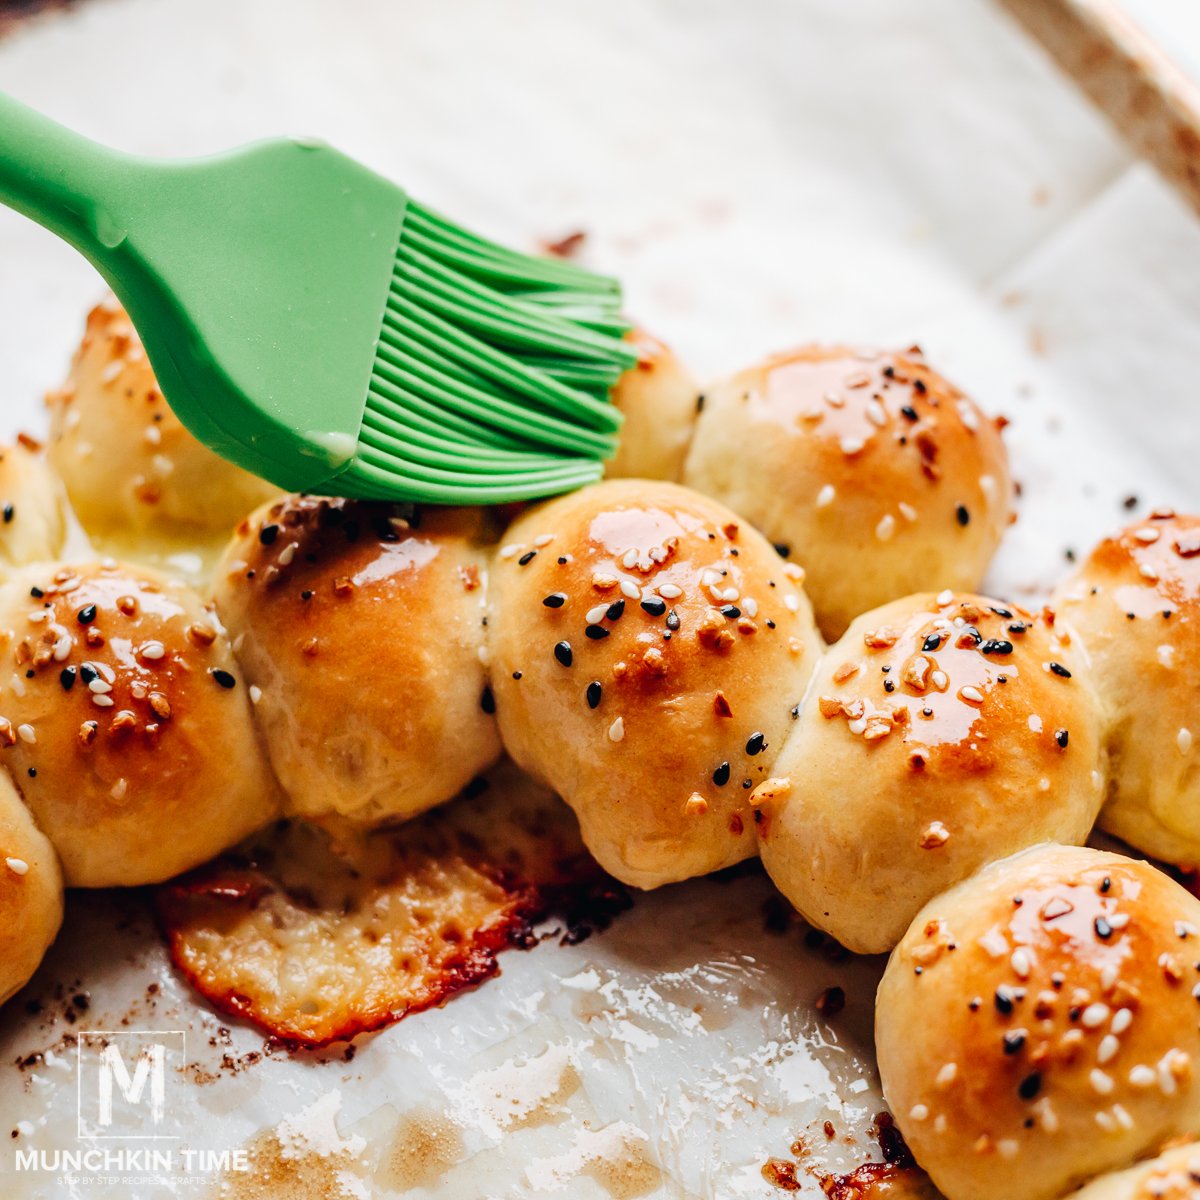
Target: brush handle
<point>66,183</point>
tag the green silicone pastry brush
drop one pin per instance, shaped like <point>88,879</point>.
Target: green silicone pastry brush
<point>311,322</point>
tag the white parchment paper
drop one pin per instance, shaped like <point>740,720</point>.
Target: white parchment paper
<point>759,174</point>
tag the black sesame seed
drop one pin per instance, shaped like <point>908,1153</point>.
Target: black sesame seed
<point>919,386</point>
<point>616,610</point>
<point>927,711</point>
<point>33,772</point>
<point>1130,502</point>
<point>770,623</point>
<point>594,694</point>
<point>700,402</point>
<point>9,512</point>
<point>307,595</point>
<point>1001,678</point>
<point>1062,736</point>
<point>223,678</point>
<point>721,775</point>
<point>267,534</point>
<point>1000,612</point>
<point>86,615</point>
<point>747,784</point>
<point>731,611</point>
<point>908,412</point>
<point>487,701</point>
<point>562,560</point>
<point>1059,669</point>
<point>87,673</point>
<point>961,515</point>
<point>756,743</point>
<point>36,593</point>
<point>656,607</point>
<point>516,674</point>
<point>672,620</point>
<point>1105,885</point>
<point>1004,1000</point>
<point>1103,929</point>
<point>1018,627</point>
<point>783,550</point>
<point>596,632</point>
<point>555,600</point>
<point>1014,1040</point>
<point>1030,1086</point>
<point>932,642</point>
<point>526,558</point>
<point>29,674</point>
<point>996,646</point>
<point>889,685</point>
<point>562,651</point>
<point>67,678</point>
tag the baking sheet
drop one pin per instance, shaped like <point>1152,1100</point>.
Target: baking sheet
<point>758,175</point>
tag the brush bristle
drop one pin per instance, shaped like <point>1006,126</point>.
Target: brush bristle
<point>492,373</point>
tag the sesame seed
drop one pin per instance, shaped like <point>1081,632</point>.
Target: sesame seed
<point>288,554</point>
<point>616,610</point>
<point>594,694</point>
<point>1122,1019</point>
<point>267,534</point>
<point>26,734</point>
<point>595,632</point>
<point>1094,1016</point>
<point>555,600</point>
<point>255,693</point>
<point>996,646</point>
<point>750,607</point>
<point>66,677</point>
<point>1183,739</point>
<point>962,515</point>
<point>669,591</point>
<point>946,1075</point>
<point>1146,536</point>
<point>630,589</point>
<point>526,558</point>
<point>756,743</point>
<point>944,598</point>
<point>153,651</point>
<point>18,866</point>
<point>1058,669</point>
<point>654,606</point>
<point>886,527</point>
<point>595,614</point>
<point>851,446</point>
<point>562,652</point>
<point>511,550</point>
<point>1103,927</point>
<point>1062,737</point>
<point>721,775</point>
<point>1142,1076</point>
<point>118,789</point>
<point>543,539</point>
<point>972,695</point>
<point>86,615</point>
<point>875,413</point>
<point>918,1112</point>
<point>1101,1083</point>
<point>1107,1050</point>
<point>825,496</point>
<point>1029,1087</point>
<point>223,678</point>
<point>100,687</point>
<point>1020,963</point>
<point>1004,1000</point>
<point>791,602</point>
<point>616,731</point>
<point>672,620</point>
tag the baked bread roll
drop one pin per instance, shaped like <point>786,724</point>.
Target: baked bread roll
<point>871,470</point>
<point>1173,1175</point>
<point>658,398</point>
<point>33,521</point>
<point>647,649</point>
<point>128,462</point>
<point>1135,605</point>
<point>940,733</point>
<point>125,723</point>
<point>1037,1025</point>
<point>363,630</point>
<point>31,892</point>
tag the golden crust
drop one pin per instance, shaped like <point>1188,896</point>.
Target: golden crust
<point>940,733</point>
<point>1135,605</point>
<point>125,723</point>
<point>363,628</point>
<point>658,399</point>
<point>128,462</point>
<point>31,892</point>
<point>877,474</point>
<point>33,520</point>
<point>647,647</point>
<point>1037,1025</point>
<point>1173,1175</point>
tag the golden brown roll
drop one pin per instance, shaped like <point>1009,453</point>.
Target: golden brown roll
<point>1173,1175</point>
<point>126,723</point>
<point>361,629</point>
<point>31,892</point>
<point>940,733</point>
<point>33,521</point>
<point>128,462</point>
<point>658,398</point>
<point>1135,604</point>
<point>647,650</point>
<point>1038,1024</point>
<point>869,469</point>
